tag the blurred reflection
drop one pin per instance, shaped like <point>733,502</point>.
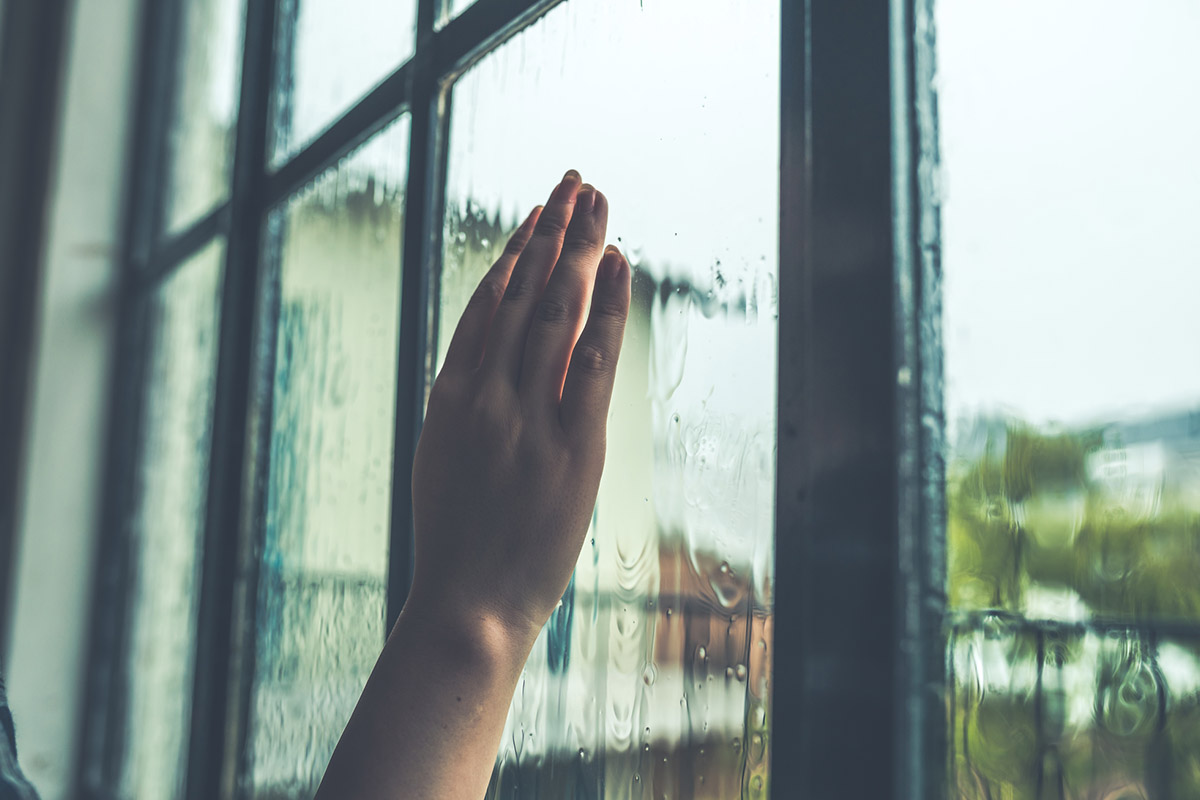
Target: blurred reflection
<point>652,679</point>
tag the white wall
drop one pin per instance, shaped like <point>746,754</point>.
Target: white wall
<point>69,409</point>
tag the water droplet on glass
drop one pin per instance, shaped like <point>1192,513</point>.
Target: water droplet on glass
<point>649,676</point>
<point>741,672</point>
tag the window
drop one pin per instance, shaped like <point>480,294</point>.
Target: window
<point>327,185</point>
<point>1073,471</point>
<point>841,549</point>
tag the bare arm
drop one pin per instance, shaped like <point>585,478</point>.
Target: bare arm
<point>504,481</point>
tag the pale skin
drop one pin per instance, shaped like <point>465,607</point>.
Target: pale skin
<point>504,482</point>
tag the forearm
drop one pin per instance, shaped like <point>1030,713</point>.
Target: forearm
<point>430,718</point>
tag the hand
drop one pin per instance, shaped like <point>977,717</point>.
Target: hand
<point>510,456</point>
<point>504,481</point>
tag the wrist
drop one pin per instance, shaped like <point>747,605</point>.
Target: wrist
<point>467,634</point>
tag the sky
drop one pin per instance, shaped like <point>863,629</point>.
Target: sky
<point>1070,135</point>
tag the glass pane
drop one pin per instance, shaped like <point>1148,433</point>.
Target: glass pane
<point>200,157</point>
<point>167,525</point>
<point>322,578</point>
<point>652,679</point>
<point>1072,394</point>
<point>1072,712</point>
<point>449,9</point>
<point>330,54</point>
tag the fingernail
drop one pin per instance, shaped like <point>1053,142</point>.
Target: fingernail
<point>610,264</point>
<point>586,199</point>
<point>572,177</point>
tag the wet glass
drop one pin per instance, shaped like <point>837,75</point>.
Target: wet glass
<point>323,570</point>
<point>204,116</point>
<point>167,524</point>
<point>652,678</point>
<point>1068,191</point>
<point>329,54</point>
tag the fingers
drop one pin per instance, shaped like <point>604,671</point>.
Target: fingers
<point>470,336</point>
<point>587,391</point>
<point>559,314</point>
<point>506,339</point>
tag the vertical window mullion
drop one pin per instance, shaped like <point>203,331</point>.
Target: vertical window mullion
<point>836,527</point>
<point>212,740</point>
<point>422,238</point>
<point>152,123</point>
<point>920,610</point>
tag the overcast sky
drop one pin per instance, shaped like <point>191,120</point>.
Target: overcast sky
<point>1071,227</point>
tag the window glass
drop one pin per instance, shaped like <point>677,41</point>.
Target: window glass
<point>200,143</point>
<point>324,559</point>
<point>1069,198</point>
<point>329,54</point>
<point>167,525</point>
<point>449,9</point>
<point>652,678</point>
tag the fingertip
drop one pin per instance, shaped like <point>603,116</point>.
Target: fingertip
<point>612,265</point>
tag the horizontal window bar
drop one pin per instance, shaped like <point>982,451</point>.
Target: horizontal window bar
<point>179,248</point>
<point>481,28</point>
<point>972,619</point>
<point>468,38</point>
<point>380,106</point>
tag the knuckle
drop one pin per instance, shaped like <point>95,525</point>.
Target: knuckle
<point>609,309</point>
<point>579,246</point>
<point>516,245</point>
<point>553,226</point>
<point>520,287</point>
<point>488,292</point>
<point>592,360</point>
<point>553,310</point>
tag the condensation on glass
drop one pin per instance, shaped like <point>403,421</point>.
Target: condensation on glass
<point>167,524</point>
<point>204,115</point>
<point>652,679</point>
<point>319,620</point>
<point>1069,198</point>
<point>329,54</point>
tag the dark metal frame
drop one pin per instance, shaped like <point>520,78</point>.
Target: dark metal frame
<point>858,631</point>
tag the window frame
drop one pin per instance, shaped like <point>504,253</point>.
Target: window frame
<point>858,291</point>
